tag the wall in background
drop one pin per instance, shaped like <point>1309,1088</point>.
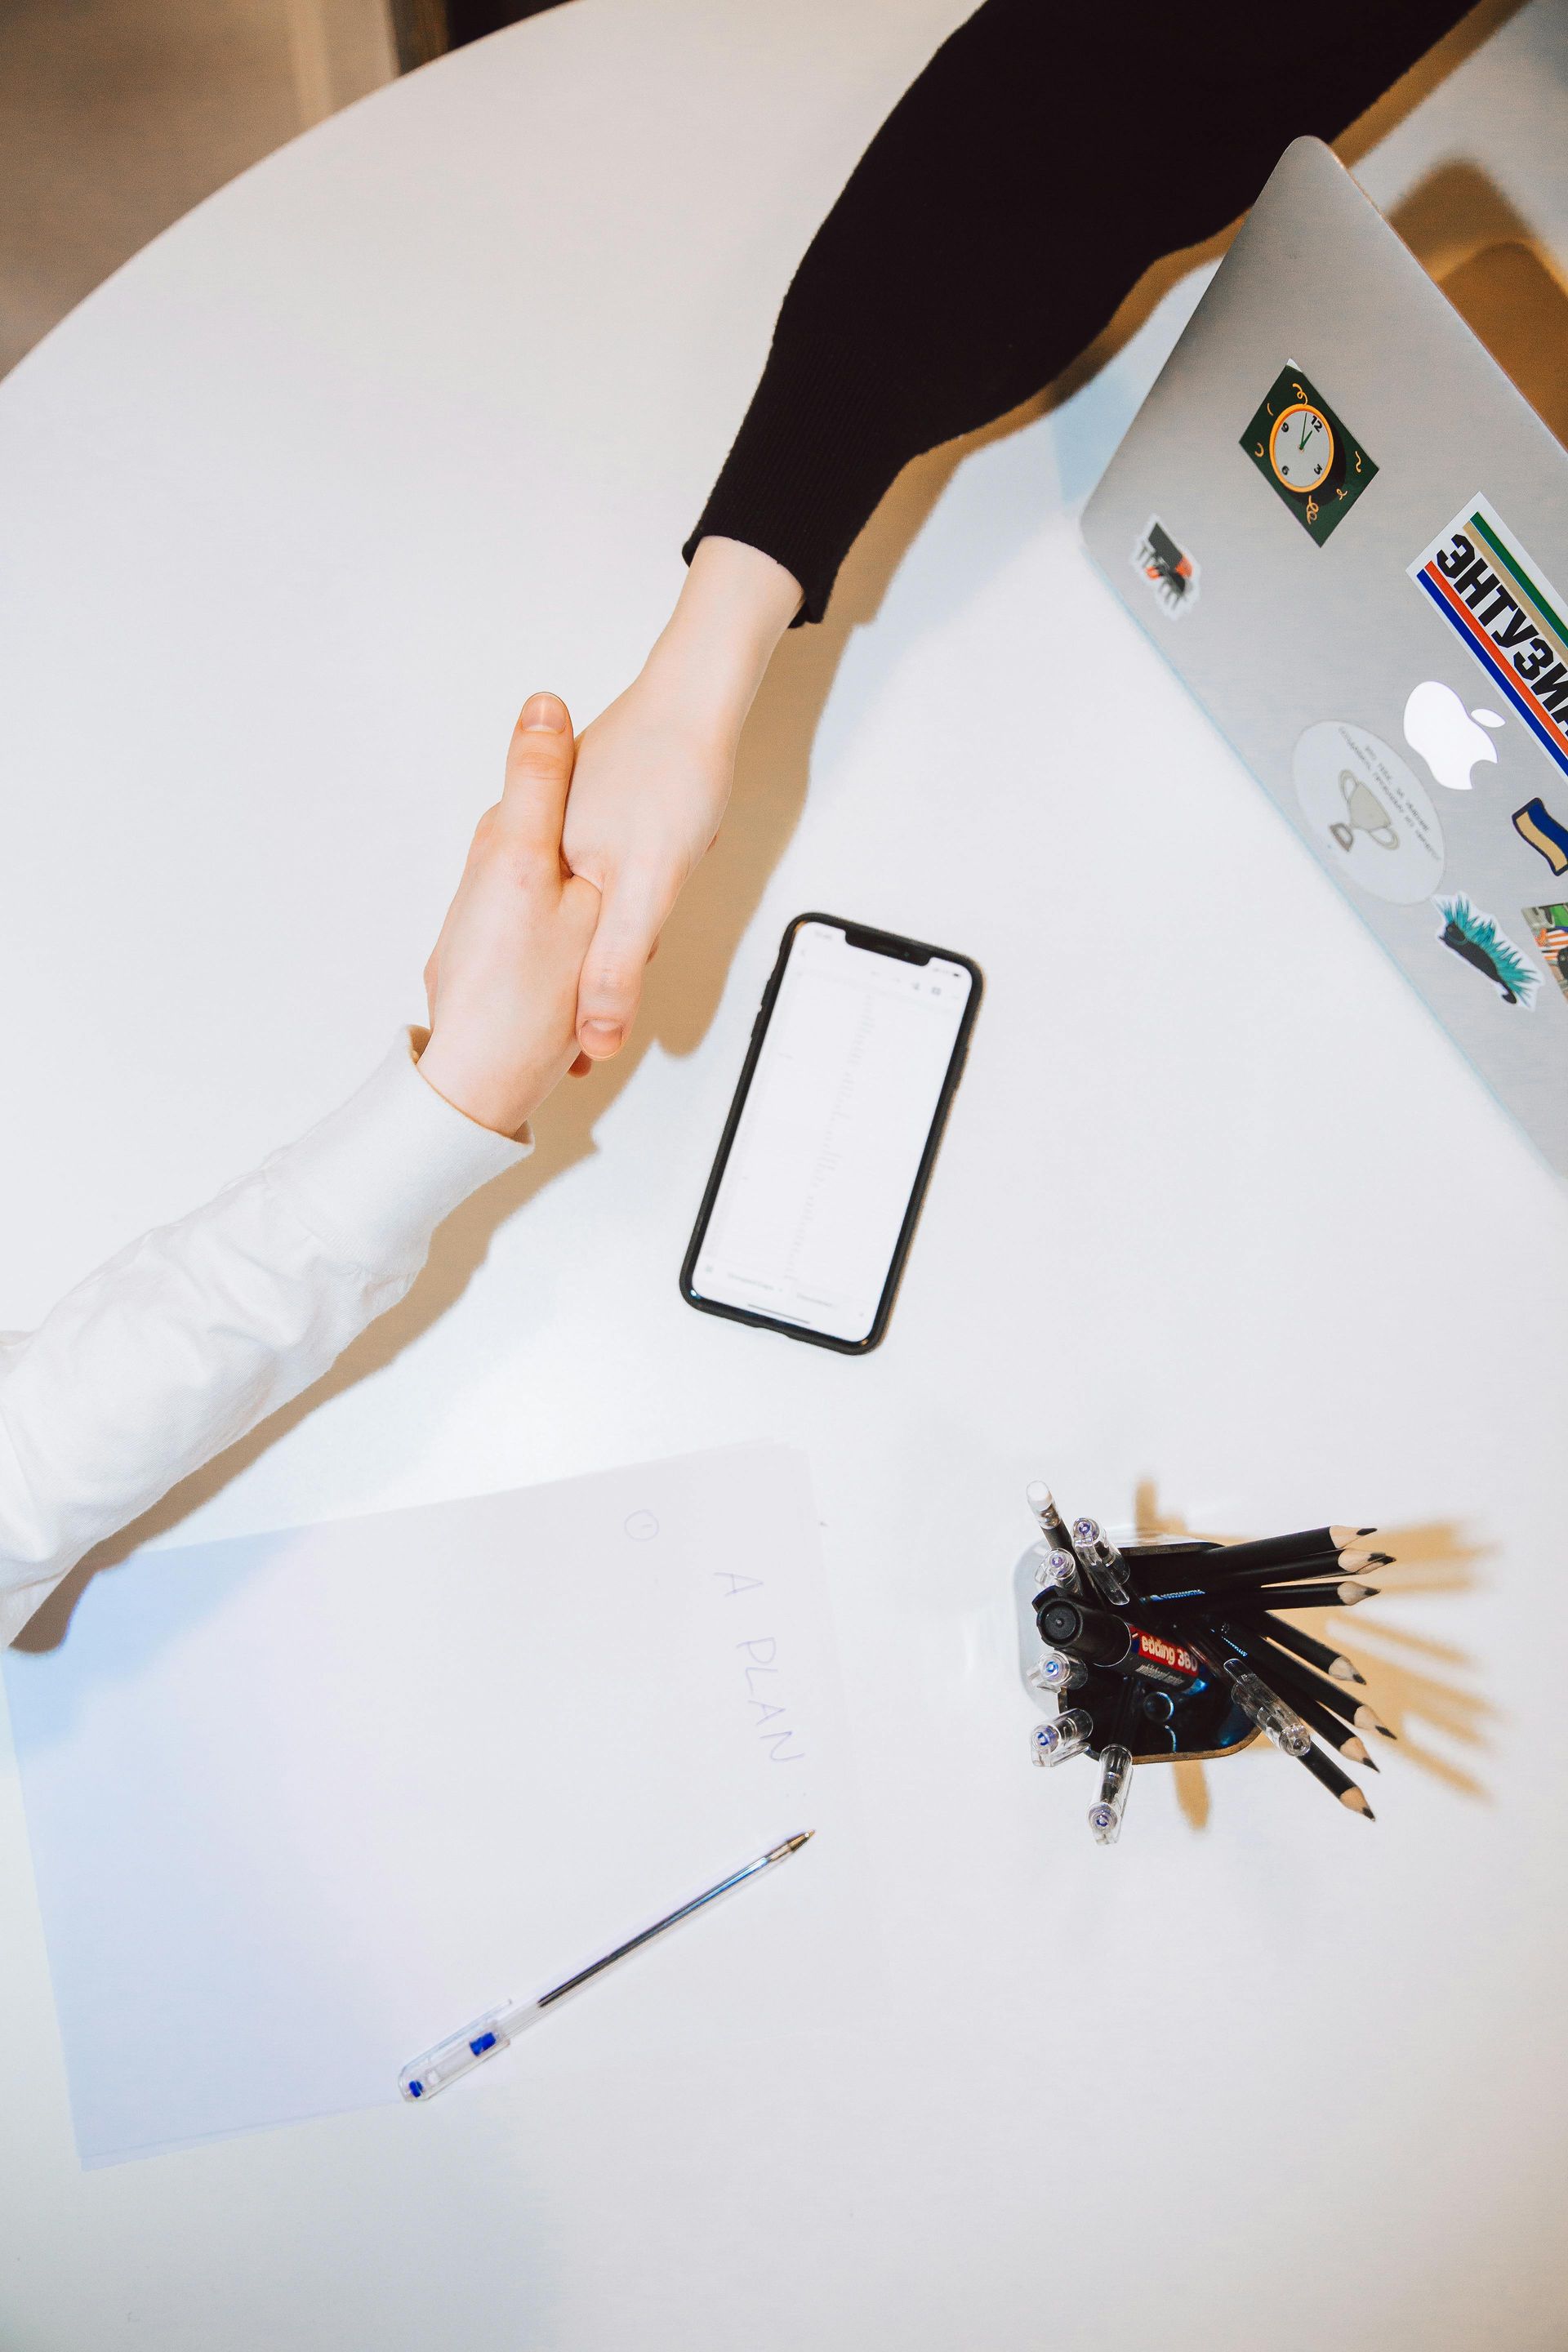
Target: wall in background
<point>117,116</point>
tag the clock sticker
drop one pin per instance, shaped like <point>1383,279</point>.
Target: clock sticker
<point>1301,447</point>
<point>1310,460</point>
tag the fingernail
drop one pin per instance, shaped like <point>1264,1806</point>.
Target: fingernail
<point>605,1034</point>
<point>545,710</point>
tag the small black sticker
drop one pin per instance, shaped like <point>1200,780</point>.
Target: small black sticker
<point>1172,572</point>
<point>1307,458</point>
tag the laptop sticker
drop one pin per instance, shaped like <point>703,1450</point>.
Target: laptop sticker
<point>1534,823</point>
<point>1374,817</point>
<point>1550,932</point>
<point>1309,458</point>
<point>1499,603</point>
<point>1171,571</point>
<point>1548,928</point>
<point>1476,938</point>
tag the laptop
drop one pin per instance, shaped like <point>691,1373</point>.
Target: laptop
<point>1340,524</point>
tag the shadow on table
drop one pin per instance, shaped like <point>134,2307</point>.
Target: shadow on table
<point>1452,222</point>
<point>1411,1679</point>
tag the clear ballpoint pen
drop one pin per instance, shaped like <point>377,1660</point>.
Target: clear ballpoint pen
<point>490,2033</point>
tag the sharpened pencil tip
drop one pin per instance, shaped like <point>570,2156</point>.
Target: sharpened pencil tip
<point>1343,1672</point>
<point>1371,1762</point>
<point>1357,1801</point>
<point>1366,1531</point>
<point>1385,1729</point>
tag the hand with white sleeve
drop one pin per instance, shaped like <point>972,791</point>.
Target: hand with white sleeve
<point>503,979</point>
<point>198,1330</point>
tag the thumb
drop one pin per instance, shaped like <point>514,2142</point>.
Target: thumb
<point>610,988</point>
<point>539,770</point>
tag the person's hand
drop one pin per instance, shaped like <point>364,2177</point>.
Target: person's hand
<point>654,770</point>
<point>502,981</point>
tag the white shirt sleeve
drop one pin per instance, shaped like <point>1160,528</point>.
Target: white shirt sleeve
<point>195,1333</point>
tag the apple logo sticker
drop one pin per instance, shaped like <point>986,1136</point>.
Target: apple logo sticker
<point>1445,734</point>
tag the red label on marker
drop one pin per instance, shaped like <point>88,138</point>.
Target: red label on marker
<point>1160,1661</point>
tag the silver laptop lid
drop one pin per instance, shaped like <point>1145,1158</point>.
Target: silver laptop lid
<point>1330,445</point>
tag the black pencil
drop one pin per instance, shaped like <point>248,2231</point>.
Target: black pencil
<point>1316,1544</point>
<point>1316,1654</point>
<point>1342,1702</point>
<point>1339,1784</point>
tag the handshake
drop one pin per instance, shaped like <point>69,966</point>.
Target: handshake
<point>538,970</point>
<point>503,979</point>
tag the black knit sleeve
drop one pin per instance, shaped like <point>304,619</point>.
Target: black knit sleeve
<point>1042,161</point>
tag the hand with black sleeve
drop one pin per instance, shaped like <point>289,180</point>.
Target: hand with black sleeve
<point>1017,191</point>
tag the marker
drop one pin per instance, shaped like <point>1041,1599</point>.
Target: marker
<point>1116,1643</point>
<point>1053,1527</point>
<point>1070,1735</point>
<point>1102,1562</point>
<point>490,2035</point>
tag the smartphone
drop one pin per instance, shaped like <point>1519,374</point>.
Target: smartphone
<point>812,1202</point>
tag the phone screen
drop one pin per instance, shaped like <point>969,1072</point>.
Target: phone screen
<point>813,1197</point>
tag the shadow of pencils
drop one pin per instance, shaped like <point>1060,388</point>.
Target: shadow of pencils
<point>1412,1679</point>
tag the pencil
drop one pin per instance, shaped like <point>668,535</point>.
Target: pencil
<point>1316,1654</point>
<point>1284,1552</point>
<point>1339,1784</point>
<point>1333,1695</point>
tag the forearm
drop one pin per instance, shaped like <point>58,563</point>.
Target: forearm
<point>734,605</point>
<point>197,1332</point>
<point>1011,199</point>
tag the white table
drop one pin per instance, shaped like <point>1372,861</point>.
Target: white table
<point>411,420</point>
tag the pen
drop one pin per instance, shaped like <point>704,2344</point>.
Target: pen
<point>1056,1571</point>
<point>1115,1773</point>
<point>490,2035</point>
<point>1319,1713</point>
<point>1070,1735</point>
<point>1266,1708</point>
<point>1102,1562</point>
<point>1056,1672</point>
<point>1297,1683</point>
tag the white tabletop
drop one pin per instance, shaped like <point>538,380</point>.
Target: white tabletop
<point>409,421</point>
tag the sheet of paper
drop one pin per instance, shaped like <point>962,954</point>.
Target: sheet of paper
<point>301,1804</point>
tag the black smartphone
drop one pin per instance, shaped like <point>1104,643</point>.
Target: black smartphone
<point>810,1208</point>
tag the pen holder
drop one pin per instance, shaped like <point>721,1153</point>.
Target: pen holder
<point>1172,1650</point>
<point>1168,1728</point>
